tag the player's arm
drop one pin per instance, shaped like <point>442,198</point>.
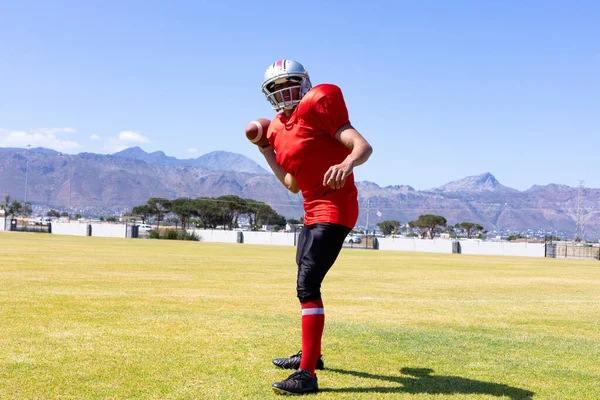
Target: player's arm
<point>361,150</point>
<point>285,178</point>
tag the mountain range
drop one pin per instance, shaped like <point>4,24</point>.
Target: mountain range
<point>90,182</point>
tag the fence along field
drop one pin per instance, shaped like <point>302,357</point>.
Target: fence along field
<point>550,248</point>
<point>87,317</point>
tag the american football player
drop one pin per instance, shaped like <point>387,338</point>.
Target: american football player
<point>314,149</point>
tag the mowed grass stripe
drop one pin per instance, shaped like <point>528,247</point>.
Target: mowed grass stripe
<point>117,318</point>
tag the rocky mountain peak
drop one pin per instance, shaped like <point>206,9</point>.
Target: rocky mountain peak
<point>485,182</point>
<point>214,161</point>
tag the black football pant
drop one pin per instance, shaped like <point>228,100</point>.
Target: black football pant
<point>318,248</point>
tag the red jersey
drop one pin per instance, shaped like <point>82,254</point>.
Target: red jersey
<point>306,147</point>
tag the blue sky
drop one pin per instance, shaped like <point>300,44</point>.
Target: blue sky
<point>441,89</point>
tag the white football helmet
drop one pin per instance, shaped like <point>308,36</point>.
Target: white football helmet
<point>280,73</point>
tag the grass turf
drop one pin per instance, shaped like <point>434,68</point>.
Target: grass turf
<point>94,318</point>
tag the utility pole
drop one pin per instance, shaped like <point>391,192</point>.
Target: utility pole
<point>27,173</point>
<point>70,179</point>
<point>368,211</point>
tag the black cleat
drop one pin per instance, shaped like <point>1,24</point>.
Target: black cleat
<point>294,362</point>
<point>300,382</point>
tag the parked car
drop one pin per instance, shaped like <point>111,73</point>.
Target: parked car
<point>43,221</point>
<point>353,239</point>
<point>145,228</point>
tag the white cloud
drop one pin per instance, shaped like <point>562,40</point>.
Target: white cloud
<point>114,145</point>
<point>192,150</point>
<point>125,140</point>
<point>132,137</point>
<point>42,137</point>
<point>95,137</point>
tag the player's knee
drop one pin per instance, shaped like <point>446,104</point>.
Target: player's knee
<point>308,289</point>
<point>309,295</point>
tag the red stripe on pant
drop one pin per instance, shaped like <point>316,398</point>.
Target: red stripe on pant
<point>313,322</point>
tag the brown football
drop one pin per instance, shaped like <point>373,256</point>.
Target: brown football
<point>256,131</point>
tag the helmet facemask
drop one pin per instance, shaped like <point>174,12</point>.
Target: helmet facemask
<point>285,87</point>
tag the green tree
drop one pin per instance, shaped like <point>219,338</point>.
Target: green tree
<point>389,227</point>
<point>11,207</point>
<point>15,208</point>
<point>429,223</point>
<point>254,211</point>
<point>551,238</point>
<point>470,228</point>
<point>111,218</point>
<point>480,230</point>
<point>294,222</point>
<point>208,212</point>
<point>267,216</point>
<point>277,219</point>
<point>4,206</point>
<point>27,210</point>
<point>77,216</point>
<point>159,207</point>
<point>232,207</point>
<point>418,224</point>
<point>173,221</point>
<point>141,212</point>
<point>450,230</point>
<point>181,207</point>
<point>53,214</point>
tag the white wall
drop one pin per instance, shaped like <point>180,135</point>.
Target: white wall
<point>98,230</point>
<point>215,235</point>
<point>64,228</point>
<point>474,247</point>
<point>2,222</point>
<point>275,238</point>
<point>108,230</point>
<point>502,248</point>
<point>250,237</point>
<point>416,244</point>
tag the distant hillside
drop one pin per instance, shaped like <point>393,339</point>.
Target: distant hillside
<point>129,178</point>
<point>215,161</point>
<point>110,181</point>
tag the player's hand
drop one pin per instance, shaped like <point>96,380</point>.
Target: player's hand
<point>336,175</point>
<point>266,149</point>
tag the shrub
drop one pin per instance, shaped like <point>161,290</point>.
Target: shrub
<point>185,235</point>
<point>171,234</point>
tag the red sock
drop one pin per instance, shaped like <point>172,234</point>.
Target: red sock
<point>313,321</point>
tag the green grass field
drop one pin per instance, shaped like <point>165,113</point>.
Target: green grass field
<point>93,318</point>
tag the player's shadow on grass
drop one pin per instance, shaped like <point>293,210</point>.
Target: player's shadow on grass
<point>420,380</point>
